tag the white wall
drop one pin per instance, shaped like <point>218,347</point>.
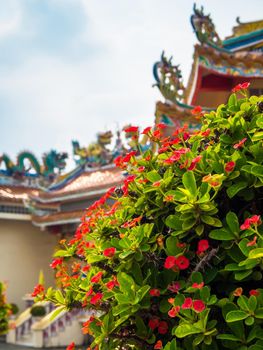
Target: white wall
<point>24,251</point>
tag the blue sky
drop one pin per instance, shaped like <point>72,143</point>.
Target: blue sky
<point>71,68</point>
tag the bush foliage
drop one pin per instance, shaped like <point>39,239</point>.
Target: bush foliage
<point>5,310</point>
<point>176,261</point>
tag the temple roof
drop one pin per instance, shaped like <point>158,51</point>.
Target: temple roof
<point>86,184</point>
<point>60,218</point>
<point>16,194</point>
<point>218,66</point>
<point>246,27</point>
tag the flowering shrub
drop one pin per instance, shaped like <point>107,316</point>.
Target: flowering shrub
<point>5,310</point>
<point>176,261</point>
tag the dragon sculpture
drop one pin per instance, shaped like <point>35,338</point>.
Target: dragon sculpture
<point>96,154</point>
<point>168,79</point>
<point>53,162</point>
<point>204,28</point>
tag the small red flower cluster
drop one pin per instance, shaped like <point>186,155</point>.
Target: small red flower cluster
<point>240,143</point>
<point>194,162</point>
<point>56,262</point>
<point>39,289</point>
<point>254,220</point>
<point>161,326</point>
<point>197,305</point>
<point>132,129</point>
<point>181,262</point>
<point>109,252</point>
<point>154,292</point>
<point>242,86</point>
<point>202,246</point>
<point>230,166</point>
<point>71,346</point>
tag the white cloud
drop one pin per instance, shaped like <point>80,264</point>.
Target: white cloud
<point>10,18</point>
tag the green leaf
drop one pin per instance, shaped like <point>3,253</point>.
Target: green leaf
<point>189,182</point>
<point>234,189</point>
<point>210,220</point>
<point>230,337</point>
<point>174,222</point>
<point>197,277</point>
<point>252,303</point>
<point>257,136</point>
<point>256,253</point>
<point>171,246</point>
<point>242,302</point>
<point>257,170</point>
<point>259,313</point>
<point>249,321</point>
<point>185,329</point>
<point>222,235</point>
<point>62,253</point>
<point>239,276</point>
<point>118,309</point>
<point>232,222</point>
<point>59,296</point>
<point>127,284</point>
<point>56,312</point>
<point>199,229</point>
<point>236,315</point>
<point>153,176</point>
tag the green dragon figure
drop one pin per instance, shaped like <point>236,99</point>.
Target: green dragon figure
<point>96,154</point>
<point>51,161</point>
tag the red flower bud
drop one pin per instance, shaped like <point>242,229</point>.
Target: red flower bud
<point>109,252</point>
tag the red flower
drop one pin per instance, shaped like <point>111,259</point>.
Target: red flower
<point>147,130</point>
<point>188,303</point>
<point>230,166</point>
<point>198,285</point>
<point>158,345</point>
<point>170,262</point>
<point>89,292</point>
<point>253,242</point>
<point>154,323</point>
<point>56,262</point>
<point>71,346</point>
<point>198,305</point>
<point>161,126</point>
<point>132,129</point>
<point>96,298</point>
<point>174,311</point>
<point>206,133</point>
<point>174,287</point>
<point>194,162</point>
<point>163,327</point>
<point>109,252</point>
<point>197,110</point>
<point>255,220</point>
<point>182,262</point>
<point>237,292</point>
<point>97,277</point>
<point>242,86</point>
<point>203,245</point>
<point>86,268</point>
<point>240,143</point>
<point>245,225</point>
<point>39,289</point>
<point>141,169</point>
<point>154,292</point>
<point>128,156</point>
<point>157,184</point>
<point>254,292</point>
